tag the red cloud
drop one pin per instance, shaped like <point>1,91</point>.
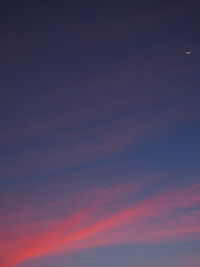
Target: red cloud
<point>168,217</point>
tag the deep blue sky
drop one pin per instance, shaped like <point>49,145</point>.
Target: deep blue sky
<point>99,138</point>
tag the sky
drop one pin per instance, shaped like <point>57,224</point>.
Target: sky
<point>99,135</point>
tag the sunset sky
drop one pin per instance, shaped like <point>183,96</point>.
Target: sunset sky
<point>100,134</point>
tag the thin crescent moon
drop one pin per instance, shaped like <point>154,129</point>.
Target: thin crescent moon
<point>188,52</point>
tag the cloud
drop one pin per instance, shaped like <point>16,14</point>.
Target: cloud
<point>83,119</point>
<point>111,219</point>
<point>89,143</point>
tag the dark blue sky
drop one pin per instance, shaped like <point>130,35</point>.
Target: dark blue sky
<point>99,138</point>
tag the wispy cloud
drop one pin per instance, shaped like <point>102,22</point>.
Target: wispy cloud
<point>110,219</point>
<point>79,145</point>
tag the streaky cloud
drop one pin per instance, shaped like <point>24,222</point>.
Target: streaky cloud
<point>167,216</point>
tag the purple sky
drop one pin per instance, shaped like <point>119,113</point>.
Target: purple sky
<point>99,138</point>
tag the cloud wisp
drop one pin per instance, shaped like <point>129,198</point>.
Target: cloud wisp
<point>115,216</point>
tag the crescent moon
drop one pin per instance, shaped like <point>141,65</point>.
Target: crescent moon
<point>188,52</point>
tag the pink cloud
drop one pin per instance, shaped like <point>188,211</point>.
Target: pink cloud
<point>168,217</point>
